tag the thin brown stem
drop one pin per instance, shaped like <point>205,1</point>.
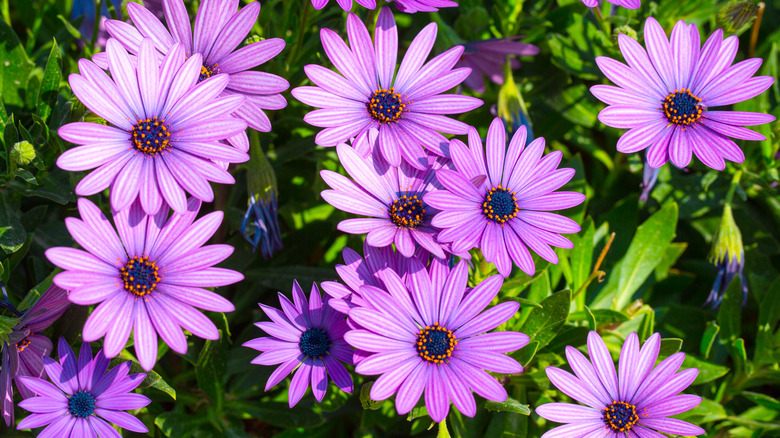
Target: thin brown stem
<point>756,27</point>
<point>597,273</point>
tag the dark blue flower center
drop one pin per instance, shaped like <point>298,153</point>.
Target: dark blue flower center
<point>81,404</point>
<point>436,343</point>
<point>500,205</point>
<point>151,136</point>
<point>207,71</point>
<point>407,211</point>
<point>386,105</point>
<point>620,416</point>
<point>314,343</point>
<point>682,108</point>
<point>140,275</point>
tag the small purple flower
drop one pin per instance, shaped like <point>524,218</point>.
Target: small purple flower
<point>391,196</point>
<point>262,216</point>
<point>430,336</point>
<point>488,58</point>
<point>219,30</point>
<point>628,4</point>
<point>309,336</point>
<point>85,397</point>
<point>22,355</point>
<point>393,114</point>
<point>665,99</point>
<point>148,280</point>
<point>166,133</point>
<point>634,402</point>
<point>360,271</point>
<point>500,200</point>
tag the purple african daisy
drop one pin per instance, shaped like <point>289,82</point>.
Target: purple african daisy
<point>665,99</point>
<point>430,336</point>
<point>345,4</point>
<point>412,6</point>
<point>488,57</point>
<point>166,134</point>
<point>634,402</point>
<point>22,354</point>
<point>148,280</point>
<point>394,114</point>
<point>85,397</point>
<point>628,4</point>
<point>309,336</point>
<point>499,200</point>
<point>391,196</point>
<point>360,271</point>
<point>219,30</point>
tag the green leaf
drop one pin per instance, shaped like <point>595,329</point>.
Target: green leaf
<point>6,327</point>
<point>591,318</point>
<point>210,370</point>
<point>178,425</point>
<point>522,301</point>
<point>280,414</point>
<point>525,354</point>
<point>647,326</point>
<point>15,70</point>
<point>707,371</point>
<point>645,252</point>
<point>729,314</point>
<point>543,324</point>
<point>582,256</point>
<point>538,291</point>
<point>365,397</point>
<point>709,411</point>
<point>10,134</point>
<point>671,255</point>
<point>443,432</point>
<point>708,338</point>
<point>763,400</point>
<point>152,380</point>
<point>768,315</point>
<point>12,233</point>
<point>50,86</point>
<point>669,346</point>
<point>510,405</point>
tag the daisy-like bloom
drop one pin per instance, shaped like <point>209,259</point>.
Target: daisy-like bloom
<point>396,114</point>
<point>219,30</point>
<point>499,200</point>
<point>166,133</point>
<point>430,336</point>
<point>345,4</point>
<point>147,280</point>
<point>488,57</point>
<point>391,196</point>
<point>665,95</point>
<point>22,355</point>
<point>409,6</point>
<point>634,402</point>
<point>628,4</point>
<point>360,271</point>
<point>309,336</point>
<point>85,397</point>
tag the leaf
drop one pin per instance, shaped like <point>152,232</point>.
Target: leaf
<point>729,314</point>
<point>582,256</point>
<point>543,324</point>
<point>178,425</point>
<point>15,69</point>
<point>525,354</point>
<point>510,405</point>
<point>539,290</point>
<point>6,327</point>
<point>522,301</point>
<point>210,370</point>
<point>768,315</point>
<point>669,346</point>
<point>280,414</point>
<point>50,86</point>
<point>707,371</point>
<point>645,252</point>
<point>12,233</point>
<point>708,338</point>
<point>671,255</point>
<point>763,400</point>
<point>709,411</point>
<point>152,380</point>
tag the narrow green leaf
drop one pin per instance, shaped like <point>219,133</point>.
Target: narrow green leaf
<point>763,400</point>
<point>707,371</point>
<point>591,318</point>
<point>582,256</point>
<point>645,252</point>
<point>729,314</point>
<point>50,86</point>
<point>669,346</point>
<point>12,233</point>
<point>543,324</point>
<point>178,425</point>
<point>538,291</point>
<point>671,255</point>
<point>646,328</point>
<point>510,405</point>
<point>210,370</point>
<point>708,338</point>
<point>15,70</point>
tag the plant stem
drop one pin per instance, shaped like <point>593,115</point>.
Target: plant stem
<point>734,184</point>
<point>600,19</point>
<point>756,27</point>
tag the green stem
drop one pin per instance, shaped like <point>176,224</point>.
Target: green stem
<point>301,30</point>
<point>734,184</point>
<point>98,4</point>
<point>600,19</point>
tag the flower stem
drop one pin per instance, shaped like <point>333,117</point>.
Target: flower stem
<point>734,184</point>
<point>600,19</point>
<point>756,27</point>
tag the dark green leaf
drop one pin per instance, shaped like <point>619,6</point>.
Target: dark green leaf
<point>707,371</point>
<point>280,414</point>
<point>178,425</point>
<point>669,346</point>
<point>15,69</point>
<point>710,333</point>
<point>210,370</point>
<point>12,233</point>
<point>768,315</point>
<point>50,86</point>
<point>510,405</point>
<point>730,311</point>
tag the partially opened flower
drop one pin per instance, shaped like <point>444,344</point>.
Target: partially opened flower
<point>666,94</point>
<point>395,114</point>
<point>165,134</point>
<point>488,57</point>
<point>360,271</point>
<point>219,30</point>
<point>431,337</point>
<point>309,336</point>
<point>634,402</point>
<point>22,354</point>
<point>628,4</point>
<point>728,255</point>
<point>85,399</point>
<point>412,6</point>
<point>147,280</point>
<point>499,200</point>
<point>391,197</point>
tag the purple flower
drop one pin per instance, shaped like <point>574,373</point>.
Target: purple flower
<point>391,196</point>
<point>665,99</point>
<point>634,402</point>
<point>309,336</point>
<point>166,130</point>
<point>360,271</point>
<point>628,4</point>
<point>22,355</point>
<point>148,280</point>
<point>488,57</point>
<point>396,114</point>
<point>500,200</point>
<point>85,397</point>
<point>430,336</point>
<point>219,30</point>
<point>345,4</point>
<point>410,6</point>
